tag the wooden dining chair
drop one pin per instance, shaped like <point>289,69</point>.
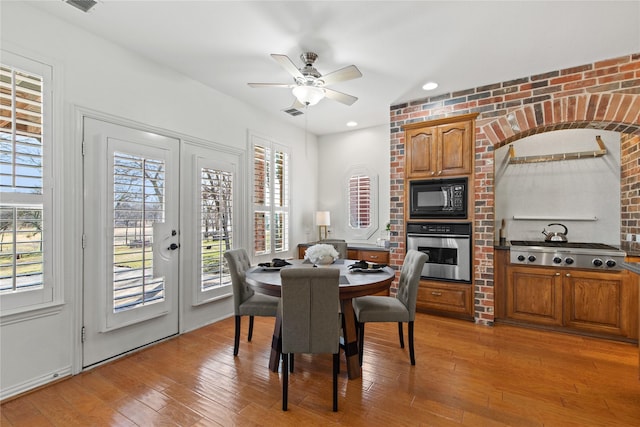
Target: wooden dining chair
<point>339,245</point>
<point>245,301</point>
<point>310,320</point>
<point>401,308</point>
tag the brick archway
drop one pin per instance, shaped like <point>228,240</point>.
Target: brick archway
<point>612,112</point>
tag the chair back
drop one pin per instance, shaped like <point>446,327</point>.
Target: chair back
<point>339,245</point>
<point>239,263</point>
<point>410,279</point>
<point>309,307</point>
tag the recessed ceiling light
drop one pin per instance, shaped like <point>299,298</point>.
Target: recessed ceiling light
<point>352,124</point>
<point>430,86</point>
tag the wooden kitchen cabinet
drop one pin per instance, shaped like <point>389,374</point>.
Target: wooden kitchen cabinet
<point>446,299</point>
<point>440,147</point>
<point>595,303</point>
<point>378,256</point>
<point>534,295</point>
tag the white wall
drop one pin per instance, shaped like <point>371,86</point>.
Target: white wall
<point>337,154</point>
<point>569,192</point>
<point>96,75</point>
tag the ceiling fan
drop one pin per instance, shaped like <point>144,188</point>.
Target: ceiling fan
<point>309,86</point>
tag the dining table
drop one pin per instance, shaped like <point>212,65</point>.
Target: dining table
<point>353,283</point>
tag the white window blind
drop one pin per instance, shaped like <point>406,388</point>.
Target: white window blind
<point>270,197</point>
<point>360,201</point>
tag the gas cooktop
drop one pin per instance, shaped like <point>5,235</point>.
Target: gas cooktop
<point>567,254</point>
<point>577,245</point>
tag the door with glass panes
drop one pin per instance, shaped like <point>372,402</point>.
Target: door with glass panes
<point>131,239</point>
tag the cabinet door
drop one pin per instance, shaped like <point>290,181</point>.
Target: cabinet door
<point>593,302</point>
<point>534,295</point>
<point>454,149</point>
<point>421,149</point>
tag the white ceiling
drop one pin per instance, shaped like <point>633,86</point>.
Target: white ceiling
<point>397,45</point>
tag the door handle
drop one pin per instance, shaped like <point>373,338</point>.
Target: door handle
<point>173,246</point>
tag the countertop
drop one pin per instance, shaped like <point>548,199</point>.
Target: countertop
<point>357,246</point>
<point>634,267</point>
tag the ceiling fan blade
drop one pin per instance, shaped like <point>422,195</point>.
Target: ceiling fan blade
<point>288,65</point>
<point>271,85</point>
<point>341,75</point>
<point>339,96</point>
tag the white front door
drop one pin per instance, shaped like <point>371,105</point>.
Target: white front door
<point>131,239</point>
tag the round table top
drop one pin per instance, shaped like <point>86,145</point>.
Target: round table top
<point>352,284</point>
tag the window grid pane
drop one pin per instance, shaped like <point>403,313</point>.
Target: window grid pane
<point>138,194</point>
<point>216,233</point>
<point>21,249</point>
<point>21,150</point>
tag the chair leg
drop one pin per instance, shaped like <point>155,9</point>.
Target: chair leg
<point>250,329</point>
<point>411,353</point>
<point>336,366</point>
<point>236,338</point>
<point>360,341</point>
<point>291,362</point>
<point>401,334</point>
<point>285,381</point>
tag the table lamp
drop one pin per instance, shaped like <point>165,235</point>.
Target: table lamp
<point>323,220</point>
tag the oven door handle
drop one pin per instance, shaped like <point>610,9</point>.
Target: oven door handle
<point>446,236</point>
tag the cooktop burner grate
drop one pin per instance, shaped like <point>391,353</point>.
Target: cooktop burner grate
<point>577,245</point>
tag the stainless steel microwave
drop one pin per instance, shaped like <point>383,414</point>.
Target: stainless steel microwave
<point>438,198</point>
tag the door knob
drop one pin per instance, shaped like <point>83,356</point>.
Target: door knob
<point>173,246</point>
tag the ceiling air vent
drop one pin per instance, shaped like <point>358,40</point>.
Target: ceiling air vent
<point>293,112</point>
<point>83,5</point>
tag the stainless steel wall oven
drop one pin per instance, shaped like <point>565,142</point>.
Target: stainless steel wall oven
<point>448,247</point>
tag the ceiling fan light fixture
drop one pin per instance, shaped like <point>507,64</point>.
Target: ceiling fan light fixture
<point>308,95</point>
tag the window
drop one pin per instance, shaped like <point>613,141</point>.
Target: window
<point>361,200</point>
<point>25,183</point>
<point>270,197</point>
<point>216,227</point>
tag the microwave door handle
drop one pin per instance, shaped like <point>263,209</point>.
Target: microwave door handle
<point>445,193</point>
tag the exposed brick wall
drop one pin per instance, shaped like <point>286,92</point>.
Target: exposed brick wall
<point>630,190</point>
<point>602,95</point>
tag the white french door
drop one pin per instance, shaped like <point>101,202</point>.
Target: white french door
<point>131,239</point>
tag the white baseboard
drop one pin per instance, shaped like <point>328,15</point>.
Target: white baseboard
<point>7,392</point>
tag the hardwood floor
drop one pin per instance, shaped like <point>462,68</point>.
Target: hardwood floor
<point>465,374</point>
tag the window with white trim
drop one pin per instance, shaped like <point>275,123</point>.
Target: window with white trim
<point>270,197</point>
<point>361,199</point>
<point>26,185</point>
<point>216,227</point>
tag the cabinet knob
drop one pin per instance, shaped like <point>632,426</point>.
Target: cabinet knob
<point>557,274</point>
<point>373,256</point>
<point>433,173</point>
<point>568,274</point>
<point>437,294</point>
<point>439,172</point>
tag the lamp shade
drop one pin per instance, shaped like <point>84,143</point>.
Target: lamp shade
<point>323,218</point>
<point>308,95</point>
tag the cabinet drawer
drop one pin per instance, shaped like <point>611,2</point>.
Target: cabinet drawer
<point>446,298</point>
<point>380,257</point>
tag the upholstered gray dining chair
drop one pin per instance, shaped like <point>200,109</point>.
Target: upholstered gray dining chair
<point>401,308</point>
<point>340,245</point>
<point>245,301</point>
<point>310,321</point>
